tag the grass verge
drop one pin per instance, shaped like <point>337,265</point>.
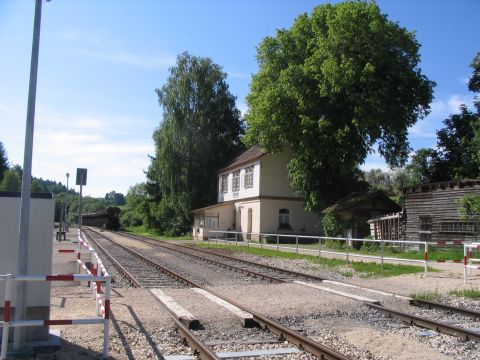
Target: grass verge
<point>144,231</point>
<point>347,270</point>
<point>427,296</point>
<point>469,293</point>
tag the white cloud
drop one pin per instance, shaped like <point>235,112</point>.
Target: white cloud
<point>64,142</point>
<point>444,108</point>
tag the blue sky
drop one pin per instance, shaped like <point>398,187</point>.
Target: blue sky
<point>100,62</point>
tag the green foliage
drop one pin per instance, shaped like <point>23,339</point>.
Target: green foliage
<point>3,161</point>
<point>144,231</point>
<point>470,210</point>
<point>334,84</point>
<point>468,293</point>
<point>332,225</point>
<point>364,269</point>
<point>428,296</point>
<point>115,199</point>
<point>132,213</point>
<point>200,133</point>
<point>371,247</point>
<point>474,82</point>
<point>424,167</point>
<point>457,155</point>
<point>367,270</point>
<point>11,181</point>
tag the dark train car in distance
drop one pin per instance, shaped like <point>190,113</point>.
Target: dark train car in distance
<point>107,218</point>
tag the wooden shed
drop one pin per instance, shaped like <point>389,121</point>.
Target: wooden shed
<point>432,211</point>
<point>357,208</point>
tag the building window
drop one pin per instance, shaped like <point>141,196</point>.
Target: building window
<point>211,222</point>
<point>425,228</point>
<point>236,180</point>
<point>284,219</point>
<point>249,177</point>
<point>224,185</point>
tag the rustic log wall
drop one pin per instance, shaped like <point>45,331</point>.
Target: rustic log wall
<point>441,202</point>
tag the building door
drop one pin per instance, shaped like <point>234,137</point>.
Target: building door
<point>238,223</point>
<point>249,223</point>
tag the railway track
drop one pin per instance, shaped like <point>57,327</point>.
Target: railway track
<point>203,351</point>
<point>279,275</point>
<point>139,273</point>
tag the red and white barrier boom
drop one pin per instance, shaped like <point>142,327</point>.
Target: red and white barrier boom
<point>469,262</point>
<point>96,278</point>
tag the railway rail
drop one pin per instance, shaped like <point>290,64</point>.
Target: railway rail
<point>284,333</point>
<point>268,272</point>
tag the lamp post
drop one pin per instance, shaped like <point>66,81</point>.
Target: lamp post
<point>66,207</point>
<point>20,309</point>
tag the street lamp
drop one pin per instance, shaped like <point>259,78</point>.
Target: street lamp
<point>20,308</point>
<point>66,208</point>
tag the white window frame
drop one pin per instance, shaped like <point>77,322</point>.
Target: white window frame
<point>236,180</point>
<point>211,222</point>
<point>248,177</point>
<point>284,219</point>
<point>224,184</point>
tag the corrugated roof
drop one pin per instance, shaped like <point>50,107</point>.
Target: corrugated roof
<point>253,153</point>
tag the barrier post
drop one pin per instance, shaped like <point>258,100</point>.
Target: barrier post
<point>106,316</point>
<point>246,237</point>
<point>296,242</point>
<point>319,247</point>
<point>382,246</point>
<point>78,249</point>
<point>6,316</point>
<point>347,242</point>
<point>425,257</point>
<point>278,242</point>
<point>236,239</point>
<point>261,240</point>
<point>92,270</point>
<point>465,262</point>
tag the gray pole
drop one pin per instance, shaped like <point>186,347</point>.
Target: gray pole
<point>20,311</point>
<point>80,208</point>
<point>66,207</point>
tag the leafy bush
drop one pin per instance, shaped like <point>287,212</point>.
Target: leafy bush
<point>332,225</point>
<point>371,247</point>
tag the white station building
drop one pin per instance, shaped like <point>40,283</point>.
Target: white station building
<point>254,196</point>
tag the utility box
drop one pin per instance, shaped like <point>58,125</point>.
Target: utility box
<point>40,237</point>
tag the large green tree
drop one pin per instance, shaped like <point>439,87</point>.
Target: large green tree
<point>338,81</point>
<point>132,213</point>
<point>11,181</point>
<point>200,132</point>
<point>3,161</point>
<point>457,155</point>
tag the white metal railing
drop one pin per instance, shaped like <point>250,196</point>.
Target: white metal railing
<point>244,237</point>
<point>96,274</point>
<point>469,262</point>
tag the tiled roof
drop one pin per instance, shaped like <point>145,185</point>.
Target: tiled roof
<point>247,156</point>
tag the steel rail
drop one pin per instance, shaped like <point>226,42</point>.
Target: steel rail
<point>198,347</point>
<point>413,302</point>
<point>304,343</point>
<point>126,274</point>
<point>428,324</point>
<point>161,243</point>
<point>154,264</point>
<point>435,305</point>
